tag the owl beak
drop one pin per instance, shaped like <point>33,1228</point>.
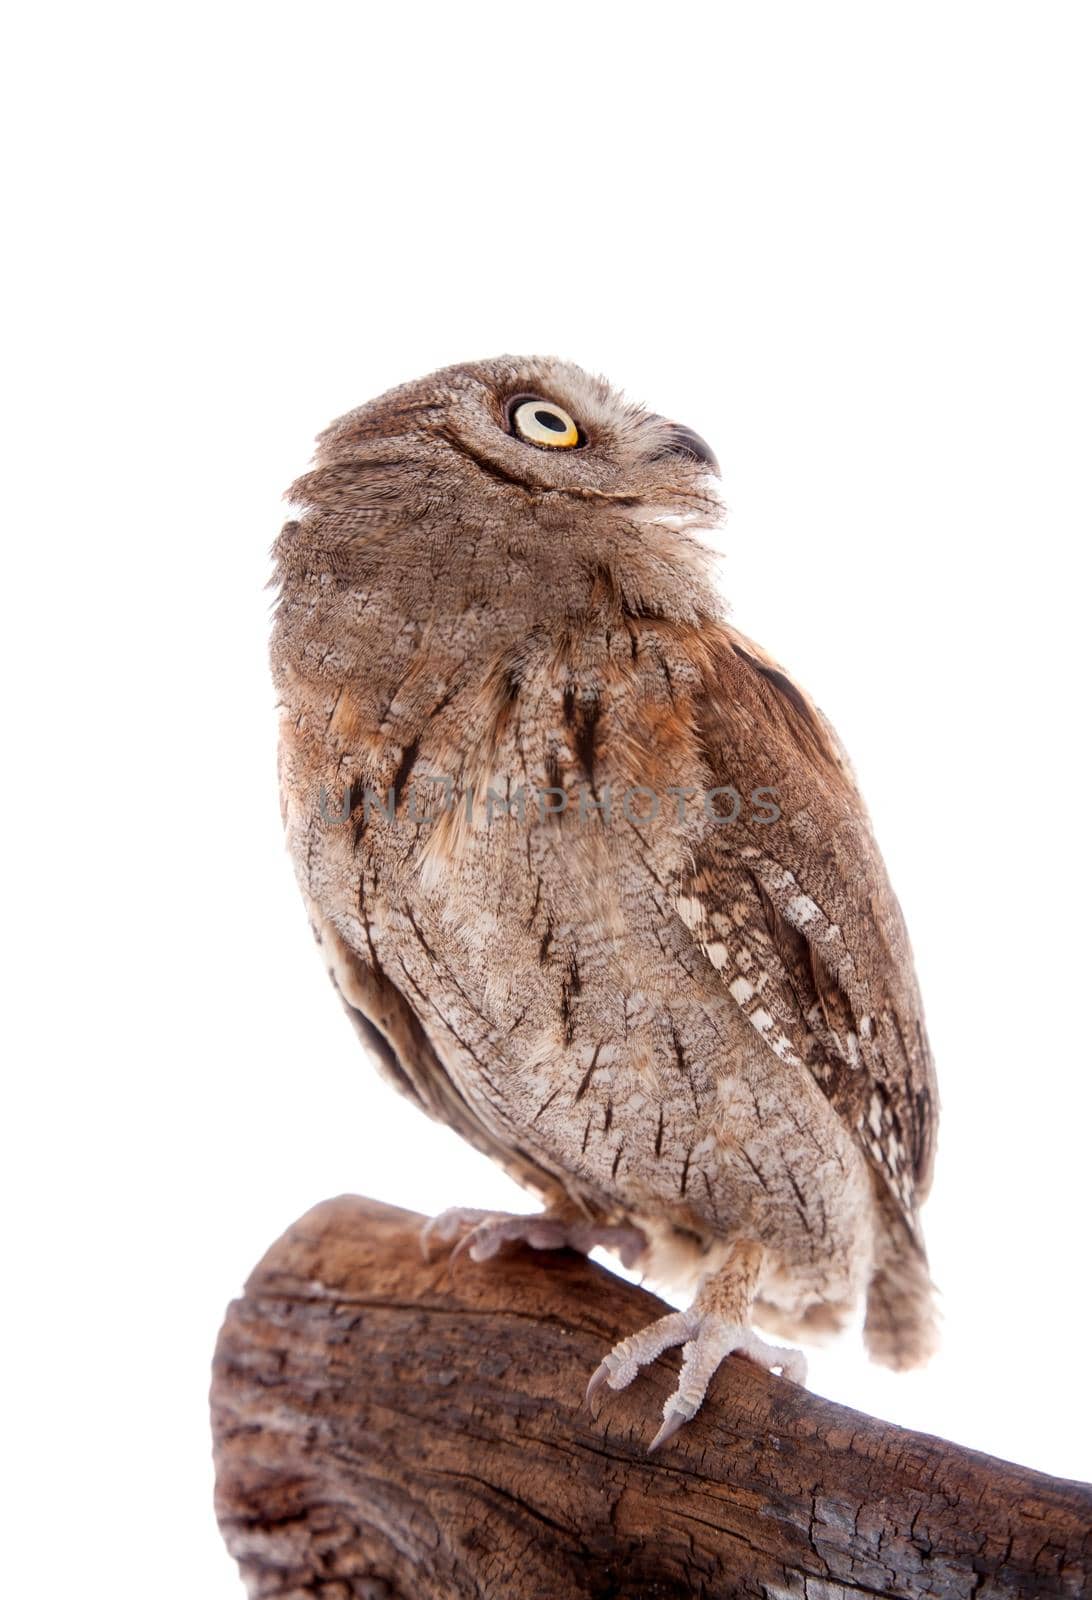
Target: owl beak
<point>683,441</point>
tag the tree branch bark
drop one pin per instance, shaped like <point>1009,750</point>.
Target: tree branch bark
<point>390,1428</point>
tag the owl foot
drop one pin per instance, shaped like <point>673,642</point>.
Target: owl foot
<point>706,1339</point>
<point>481,1234</point>
<point>716,1325</point>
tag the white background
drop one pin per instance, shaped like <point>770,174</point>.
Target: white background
<point>850,245</point>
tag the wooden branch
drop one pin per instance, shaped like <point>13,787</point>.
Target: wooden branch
<point>389,1428</point>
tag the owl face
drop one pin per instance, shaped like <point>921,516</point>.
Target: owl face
<point>520,432</point>
<point>507,489</point>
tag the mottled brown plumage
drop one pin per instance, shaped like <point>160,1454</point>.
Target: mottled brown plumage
<point>669,988</point>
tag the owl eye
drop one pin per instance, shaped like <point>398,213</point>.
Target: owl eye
<point>541,422</point>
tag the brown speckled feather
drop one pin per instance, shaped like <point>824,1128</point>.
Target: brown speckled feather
<point>816,935</point>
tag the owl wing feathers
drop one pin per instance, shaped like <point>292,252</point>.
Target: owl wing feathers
<point>390,1028</point>
<point>800,920</point>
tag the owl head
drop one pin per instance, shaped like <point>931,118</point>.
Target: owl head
<point>521,471</point>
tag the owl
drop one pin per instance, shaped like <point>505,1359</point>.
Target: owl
<point>591,873</point>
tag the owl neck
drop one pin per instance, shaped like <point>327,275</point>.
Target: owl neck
<point>554,561</point>
<point>452,601</point>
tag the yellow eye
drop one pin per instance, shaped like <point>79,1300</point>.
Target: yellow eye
<point>541,422</point>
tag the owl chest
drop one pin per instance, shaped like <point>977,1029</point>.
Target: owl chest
<point>518,886</point>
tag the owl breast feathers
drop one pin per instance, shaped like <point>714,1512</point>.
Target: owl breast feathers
<point>590,872</point>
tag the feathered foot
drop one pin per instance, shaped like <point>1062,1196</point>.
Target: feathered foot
<point>481,1234</point>
<point>716,1325</point>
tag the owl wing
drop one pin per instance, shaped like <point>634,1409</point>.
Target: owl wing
<point>391,1030</point>
<point>798,916</point>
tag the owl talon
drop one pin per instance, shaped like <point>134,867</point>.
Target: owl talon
<point>619,1368</point>
<point>706,1338</point>
<point>673,1421</point>
<point>596,1382</point>
<point>448,1226</point>
<point>484,1241</point>
<point>481,1234</point>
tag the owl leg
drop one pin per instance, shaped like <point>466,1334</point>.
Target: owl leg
<point>717,1324</point>
<point>481,1234</point>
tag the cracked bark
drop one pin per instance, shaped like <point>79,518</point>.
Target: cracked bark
<point>387,1428</point>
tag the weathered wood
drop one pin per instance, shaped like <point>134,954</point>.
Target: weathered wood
<point>385,1427</point>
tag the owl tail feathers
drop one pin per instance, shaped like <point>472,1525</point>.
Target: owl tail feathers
<point>900,1329</point>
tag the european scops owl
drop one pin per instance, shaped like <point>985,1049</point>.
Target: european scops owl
<point>591,872</point>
